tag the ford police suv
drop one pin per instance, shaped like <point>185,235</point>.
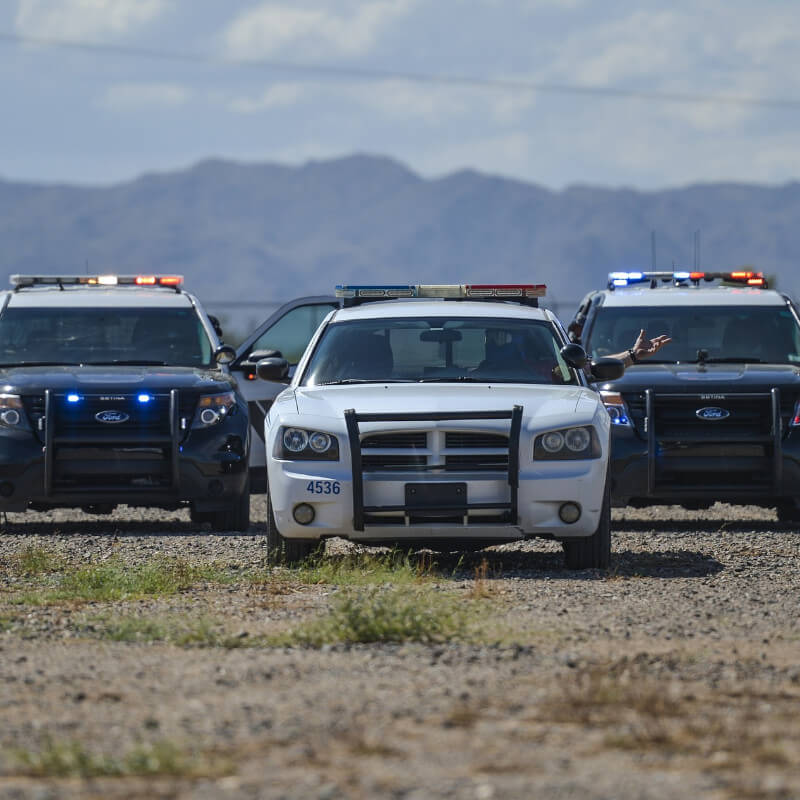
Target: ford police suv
<point>114,391</point>
<point>715,414</point>
<point>440,416</point>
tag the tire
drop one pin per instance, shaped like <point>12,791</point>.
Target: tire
<point>282,550</point>
<point>592,552</point>
<point>236,517</point>
<point>199,517</point>
<point>788,511</point>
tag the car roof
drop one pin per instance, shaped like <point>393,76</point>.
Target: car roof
<point>692,296</point>
<point>440,308</point>
<point>93,297</point>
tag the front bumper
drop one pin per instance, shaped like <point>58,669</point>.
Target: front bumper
<point>354,502</point>
<point>205,466</point>
<point>660,465</point>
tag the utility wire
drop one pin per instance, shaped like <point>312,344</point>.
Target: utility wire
<point>334,72</point>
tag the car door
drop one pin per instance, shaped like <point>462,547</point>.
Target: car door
<point>287,331</point>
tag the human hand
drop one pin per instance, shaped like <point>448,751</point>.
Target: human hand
<point>644,347</point>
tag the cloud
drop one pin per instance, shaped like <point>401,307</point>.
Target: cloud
<point>278,95</point>
<point>271,28</point>
<point>138,96</point>
<point>76,19</point>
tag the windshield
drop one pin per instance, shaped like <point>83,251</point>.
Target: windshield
<point>438,349</point>
<point>158,336</point>
<point>756,334</point>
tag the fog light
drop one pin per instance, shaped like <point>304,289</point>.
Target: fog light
<point>10,416</point>
<point>569,512</point>
<point>303,514</point>
<point>208,416</point>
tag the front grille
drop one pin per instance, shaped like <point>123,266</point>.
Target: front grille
<point>734,453</point>
<point>476,451</point>
<point>477,461</point>
<point>131,451</point>
<point>480,439</point>
<point>388,461</point>
<point>417,439</point>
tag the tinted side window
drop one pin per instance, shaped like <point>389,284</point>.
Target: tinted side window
<point>293,331</point>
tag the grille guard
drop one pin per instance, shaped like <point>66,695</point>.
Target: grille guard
<point>352,420</point>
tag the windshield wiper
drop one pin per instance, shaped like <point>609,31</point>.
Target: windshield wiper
<point>458,379</point>
<point>119,362</point>
<point>725,361</point>
<point>348,381</point>
<point>41,364</point>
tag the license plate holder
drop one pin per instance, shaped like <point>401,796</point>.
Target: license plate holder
<point>437,499</point>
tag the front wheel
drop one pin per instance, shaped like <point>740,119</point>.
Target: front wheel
<point>235,516</point>
<point>592,552</point>
<point>283,550</point>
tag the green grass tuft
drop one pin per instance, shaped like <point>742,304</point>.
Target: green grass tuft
<point>182,631</point>
<point>392,614</point>
<point>32,561</point>
<point>73,760</point>
<point>113,581</point>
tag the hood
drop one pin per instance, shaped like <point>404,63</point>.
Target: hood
<point>121,379</point>
<point>705,378</point>
<point>538,401</point>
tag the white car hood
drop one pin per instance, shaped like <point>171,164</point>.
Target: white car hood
<point>539,402</point>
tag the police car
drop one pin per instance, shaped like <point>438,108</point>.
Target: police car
<point>715,414</point>
<point>115,390</point>
<point>440,416</point>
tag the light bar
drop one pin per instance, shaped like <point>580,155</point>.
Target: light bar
<point>21,281</point>
<point>622,279</point>
<point>477,291</point>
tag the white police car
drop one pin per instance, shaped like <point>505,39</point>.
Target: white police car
<point>443,416</point>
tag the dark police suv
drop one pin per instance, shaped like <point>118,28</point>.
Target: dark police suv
<point>113,390</point>
<point>715,414</point>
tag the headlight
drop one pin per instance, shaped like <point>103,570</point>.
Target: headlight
<point>616,407</point>
<point>301,444</point>
<point>213,408</point>
<point>11,413</point>
<point>567,443</point>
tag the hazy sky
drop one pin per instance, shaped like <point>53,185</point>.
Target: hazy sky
<point>86,116</point>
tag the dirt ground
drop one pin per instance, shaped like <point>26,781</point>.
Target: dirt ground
<point>675,673</point>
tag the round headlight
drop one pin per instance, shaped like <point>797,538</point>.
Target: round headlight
<point>577,439</point>
<point>295,440</point>
<point>10,416</point>
<point>552,442</point>
<point>319,442</point>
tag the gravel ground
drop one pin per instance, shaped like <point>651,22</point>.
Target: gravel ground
<point>677,672</point>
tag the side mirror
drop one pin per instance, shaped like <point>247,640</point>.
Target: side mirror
<point>273,369</point>
<point>224,354</point>
<point>215,324</point>
<point>607,369</point>
<point>254,356</point>
<point>574,355</point>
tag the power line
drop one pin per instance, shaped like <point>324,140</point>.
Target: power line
<point>331,71</point>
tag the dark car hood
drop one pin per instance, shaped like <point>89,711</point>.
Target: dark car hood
<point>121,379</point>
<point>705,379</point>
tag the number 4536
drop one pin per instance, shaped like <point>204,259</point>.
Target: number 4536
<point>324,487</point>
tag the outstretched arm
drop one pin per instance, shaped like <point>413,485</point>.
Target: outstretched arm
<point>642,348</point>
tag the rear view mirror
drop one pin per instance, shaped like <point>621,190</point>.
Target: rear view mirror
<point>273,369</point>
<point>440,335</point>
<point>574,355</point>
<point>607,369</point>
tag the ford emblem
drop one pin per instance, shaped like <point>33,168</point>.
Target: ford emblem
<point>112,416</point>
<point>712,413</point>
